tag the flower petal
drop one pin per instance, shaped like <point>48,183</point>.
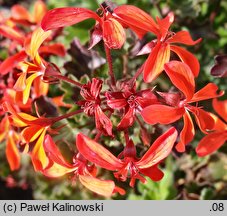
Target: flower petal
<point>95,36</point>
<point>56,170</point>
<point>54,153</point>
<point>154,173</point>
<point>12,153</point>
<point>38,37</point>
<point>115,100</point>
<point>207,92</point>
<point>31,133</point>
<point>135,17</point>
<point>18,119</point>
<point>188,58</point>
<point>219,125</point>
<point>159,150</point>
<point>11,33</point>
<point>221,108</point>
<point>102,122</point>
<point>210,143</point>
<point>11,62</point>
<point>20,13</point>
<point>20,84</point>
<point>26,91</point>
<point>40,10</point>
<point>40,87</point>
<point>182,77</point>
<point>67,16</point>
<point>161,114</point>
<point>53,49</point>
<point>187,134</point>
<point>59,101</point>
<point>96,153</point>
<point>113,33</point>
<point>101,187</point>
<point>38,155</point>
<point>183,37</point>
<point>154,65</point>
<point>127,120</point>
<point>164,24</point>
<point>204,119</point>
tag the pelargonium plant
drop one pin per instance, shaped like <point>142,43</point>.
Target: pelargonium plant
<point>113,106</point>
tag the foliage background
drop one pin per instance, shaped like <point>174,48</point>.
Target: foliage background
<point>186,175</point>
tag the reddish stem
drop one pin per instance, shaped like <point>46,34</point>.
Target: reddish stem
<point>66,79</point>
<point>126,136</point>
<point>49,121</point>
<point>98,135</point>
<point>110,65</point>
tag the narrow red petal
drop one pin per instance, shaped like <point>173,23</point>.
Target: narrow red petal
<point>38,155</point>
<point>20,13</point>
<point>219,125</point>
<point>54,153</point>
<point>188,58</point>
<point>161,114</point>
<point>154,65</point>
<point>59,101</point>
<point>210,143</point>
<point>102,122</point>
<point>55,170</point>
<point>54,49</point>
<point>183,37</point>
<point>127,120</point>
<point>115,100</point>
<point>67,16</point>
<point>154,173</point>
<point>113,34</point>
<point>187,134</point>
<point>96,153</point>
<point>159,150</point>
<point>101,187</point>
<point>204,119</point>
<point>221,108</point>
<point>135,17</point>
<point>40,10</point>
<point>31,133</point>
<point>11,62</point>
<point>38,37</point>
<point>12,153</point>
<point>182,77</point>
<point>11,33</point>
<point>207,92</point>
<point>164,24</point>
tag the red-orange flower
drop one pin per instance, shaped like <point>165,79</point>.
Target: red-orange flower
<point>131,102</point>
<point>91,105</point>
<point>110,24</point>
<point>177,107</point>
<point>160,48</point>
<point>21,15</point>
<point>12,138</point>
<point>129,166</point>
<point>33,132</point>
<point>81,168</point>
<point>218,137</point>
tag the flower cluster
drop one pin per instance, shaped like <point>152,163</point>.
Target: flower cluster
<point>112,106</point>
